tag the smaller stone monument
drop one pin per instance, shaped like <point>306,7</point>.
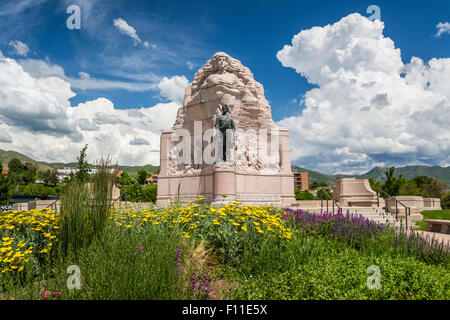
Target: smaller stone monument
<point>354,192</point>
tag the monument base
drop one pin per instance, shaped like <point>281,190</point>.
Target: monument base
<point>222,184</point>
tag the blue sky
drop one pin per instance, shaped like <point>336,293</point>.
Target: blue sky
<point>183,35</point>
<point>251,31</point>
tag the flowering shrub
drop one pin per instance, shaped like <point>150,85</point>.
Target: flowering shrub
<point>25,235</point>
<point>363,233</point>
<point>347,227</point>
<point>199,218</point>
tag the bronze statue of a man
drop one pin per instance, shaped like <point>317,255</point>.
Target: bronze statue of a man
<point>224,124</point>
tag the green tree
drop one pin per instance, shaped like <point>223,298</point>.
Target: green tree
<point>4,185</point>
<point>149,193</point>
<point>445,200</point>
<point>323,192</point>
<point>316,185</point>
<point>421,181</point>
<point>134,192</point>
<point>142,174</point>
<point>303,195</point>
<point>435,188</point>
<point>125,179</point>
<point>15,166</point>
<point>28,175</point>
<point>83,166</point>
<point>375,184</point>
<point>410,188</point>
<point>393,184</point>
<point>49,177</point>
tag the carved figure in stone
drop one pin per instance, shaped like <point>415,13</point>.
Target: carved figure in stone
<point>225,122</point>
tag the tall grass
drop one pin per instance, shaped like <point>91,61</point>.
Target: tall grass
<point>129,264</point>
<point>84,209</point>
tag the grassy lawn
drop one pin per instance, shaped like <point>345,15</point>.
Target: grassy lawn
<point>433,214</point>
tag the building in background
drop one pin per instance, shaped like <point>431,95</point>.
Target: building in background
<point>151,180</point>
<point>301,180</point>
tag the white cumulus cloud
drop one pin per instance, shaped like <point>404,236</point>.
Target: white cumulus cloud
<point>173,88</point>
<point>20,48</point>
<point>36,118</point>
<point>368,108</point>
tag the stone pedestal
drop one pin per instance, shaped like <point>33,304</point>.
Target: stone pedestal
<point>354,192</point>
<point>221,184</point>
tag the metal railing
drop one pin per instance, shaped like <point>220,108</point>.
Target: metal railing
<point>328,198</point>
<point>386,206</point>
<point>53,206</point>
<point>120,197</point>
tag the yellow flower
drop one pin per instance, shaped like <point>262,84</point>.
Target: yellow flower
<point>44,250</point>
<point>244,228</point>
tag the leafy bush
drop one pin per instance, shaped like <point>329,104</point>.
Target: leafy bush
<point>445,200</point>
<point>149,193</point>
<point>303,195</point>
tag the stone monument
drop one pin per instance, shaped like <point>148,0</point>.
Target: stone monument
<point>224,145</point>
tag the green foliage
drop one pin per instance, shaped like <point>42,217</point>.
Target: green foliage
<point>15,166</point>
<point>322,194</point>
<point>317,268</point>
<point>419,186</point>
<point>38,189</point>
<point>445,200</point>
<point>149,193</point>
<point>84,209</point>
<point>421,181</point>
<point>49,177</point>
<point>393,184</point>
<point>138,193</point>
<point>435,188</point>
<point>131,265</point>
<point>142,174</point>
<point>410,188</point>
<point>375,184</point>
<point>83,166</point>
<point>4,185</point>
<point>303,195</point>
<point>125,179</point>
<point>316,185</point>
<point>134,192</point>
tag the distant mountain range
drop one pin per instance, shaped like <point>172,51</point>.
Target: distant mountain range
<point>6,156</point>
<point>377,173</point>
